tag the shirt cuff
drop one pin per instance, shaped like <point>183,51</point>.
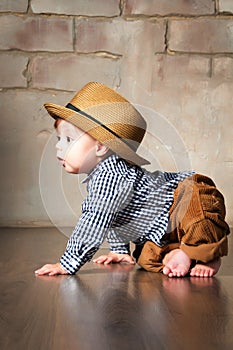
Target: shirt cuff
<point>120,248</point>
<point>70,263</point>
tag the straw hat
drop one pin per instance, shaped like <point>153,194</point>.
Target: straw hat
<point>106,116</point>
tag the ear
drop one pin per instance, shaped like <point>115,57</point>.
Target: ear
<point>101,149</point>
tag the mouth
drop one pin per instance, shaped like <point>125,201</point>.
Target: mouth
<point>61,161</point>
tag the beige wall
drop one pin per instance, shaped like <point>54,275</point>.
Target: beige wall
<point>173,59</point>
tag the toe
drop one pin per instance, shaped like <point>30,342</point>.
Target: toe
<point>166,270</point>
<point>193,272</point>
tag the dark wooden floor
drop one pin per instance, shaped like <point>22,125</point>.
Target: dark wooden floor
<point>106,307</point>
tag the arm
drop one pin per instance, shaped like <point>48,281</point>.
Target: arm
<point>119,251</point>
<point>82,245</point>
<point>98,212</point>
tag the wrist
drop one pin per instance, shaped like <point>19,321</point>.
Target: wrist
<point>62,268</point>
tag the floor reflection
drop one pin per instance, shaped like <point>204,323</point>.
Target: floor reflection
<point>118,305</point>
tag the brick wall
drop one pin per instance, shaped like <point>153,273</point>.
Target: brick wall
<point>173,59</point>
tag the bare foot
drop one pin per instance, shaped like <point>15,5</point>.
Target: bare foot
<point>177,263</point>
<point>206,269</point>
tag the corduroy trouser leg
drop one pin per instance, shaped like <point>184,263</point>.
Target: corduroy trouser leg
<point>197,225</point>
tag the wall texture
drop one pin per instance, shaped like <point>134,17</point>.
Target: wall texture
<point>173,59</point>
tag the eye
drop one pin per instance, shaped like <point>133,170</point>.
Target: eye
<point>69,139</point>
<point>58,138</point>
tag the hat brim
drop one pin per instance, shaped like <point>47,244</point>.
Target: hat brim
<point>96,131</point>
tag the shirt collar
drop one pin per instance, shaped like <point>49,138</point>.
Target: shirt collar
<point>113,158</point>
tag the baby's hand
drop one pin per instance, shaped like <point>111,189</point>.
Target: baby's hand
<point>114,258</point>
<point>51,270</point>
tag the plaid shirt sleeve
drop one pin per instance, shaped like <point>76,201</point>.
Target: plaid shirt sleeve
<point>107,194</point>
<point>116,245</point>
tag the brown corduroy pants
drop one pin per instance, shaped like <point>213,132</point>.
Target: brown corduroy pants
<point>196,225</point>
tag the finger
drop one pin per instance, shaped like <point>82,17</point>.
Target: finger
<point>54,272</point>
<point>46,266</point>
<point>109,260</point>
<point>44,270</point>
<point>41,272</point>
<point>129,260</point>
<point>101,259</point>
<point>38,270</point>
<point>97,259</point>
<point>48,271</point>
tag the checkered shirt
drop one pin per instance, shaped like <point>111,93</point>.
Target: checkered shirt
<point>124,203</point>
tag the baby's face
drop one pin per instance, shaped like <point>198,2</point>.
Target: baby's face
<point>76,150</point>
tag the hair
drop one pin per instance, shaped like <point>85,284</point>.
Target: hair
<point>56,122</point>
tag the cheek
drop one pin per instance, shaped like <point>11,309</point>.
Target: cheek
<point>75,153</point>
<point>80,151</point>
<point>70,151</point>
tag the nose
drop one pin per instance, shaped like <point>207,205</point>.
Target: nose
<point>59,144</point>
<point>61,147</point>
